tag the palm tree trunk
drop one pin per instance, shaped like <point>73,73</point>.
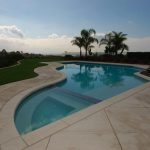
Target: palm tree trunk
<point>86,53</point>
<point>121,51</point>
<point>116,52</point>
<point>80,52</point>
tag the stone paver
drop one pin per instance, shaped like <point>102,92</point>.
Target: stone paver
<point>121,123</point>
<point>9,90</point>
<point>134,141</point>
<point>13,144</point>
<point>92,133</point>
<point>144,97</point>
<point>42,145</point>
<point>7,133</point>
<point>131,122</point>
<point>44,132</point>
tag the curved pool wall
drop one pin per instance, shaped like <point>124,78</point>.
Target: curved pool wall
<point>86,84</point>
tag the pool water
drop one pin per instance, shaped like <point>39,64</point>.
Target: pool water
<point>86,85</point>
<point>100,80</point>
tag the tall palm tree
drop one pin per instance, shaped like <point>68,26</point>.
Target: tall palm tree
<point>118,39</point>
<point>107,40</point>
<point>78,41</point>
<point>88,39</point>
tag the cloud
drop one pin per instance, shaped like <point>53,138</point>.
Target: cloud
<point>56,36</point>
<point>38,45</point>
<point>11,39</point>
<point>139,44</point>
<point>53,36</point>
<point>13,44</point>
<point>100,34</point>
<point>10,32</point>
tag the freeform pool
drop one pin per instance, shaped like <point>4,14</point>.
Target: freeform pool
<point>86,84</point>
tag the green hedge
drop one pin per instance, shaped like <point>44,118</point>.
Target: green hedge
<point>9,58</point>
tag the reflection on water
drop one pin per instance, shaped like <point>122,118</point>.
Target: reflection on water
<point>85,77</point>
<point>112,76</point>
<point>88,76</point>
<point>97,80</point>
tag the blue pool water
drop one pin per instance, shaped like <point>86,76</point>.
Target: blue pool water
<point>86,84</point>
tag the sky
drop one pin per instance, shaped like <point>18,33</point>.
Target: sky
<point>48,26</point>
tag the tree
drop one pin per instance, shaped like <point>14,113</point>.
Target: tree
<point>118,39</point>
<point>78,41</point>
<point>88,39</point>
<point>90,49</point>
<point>114,42</point>
<point>107,40</point>
<point>4,52</point>
<point>124,47</point>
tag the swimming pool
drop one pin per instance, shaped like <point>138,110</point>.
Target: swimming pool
<point>86,84</point>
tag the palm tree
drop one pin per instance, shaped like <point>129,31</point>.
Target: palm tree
<point>124,47</point>
<point>90,49</point>
<point>118,39</point>
<point>107,40</point>
<point>78,41</point>
<point>88,39</point>
<point>114,42</point>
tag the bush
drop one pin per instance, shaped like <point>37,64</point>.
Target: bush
<point>139,57</point>
<point>8,59</point>
<point>131,57</point>
<point>69,57</point>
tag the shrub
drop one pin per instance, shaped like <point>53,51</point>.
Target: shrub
<point>9,58</point>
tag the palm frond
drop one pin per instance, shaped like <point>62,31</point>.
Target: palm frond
<point>92,31</point>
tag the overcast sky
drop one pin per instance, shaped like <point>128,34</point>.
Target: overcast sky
<point>47,26</point>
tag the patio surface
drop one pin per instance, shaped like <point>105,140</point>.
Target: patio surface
<point>120,123</point>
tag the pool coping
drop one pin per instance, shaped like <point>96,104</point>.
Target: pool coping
<point>30,138</point>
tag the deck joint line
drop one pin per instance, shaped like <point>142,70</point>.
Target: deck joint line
<point>113,130</point>
<point>48,143</point>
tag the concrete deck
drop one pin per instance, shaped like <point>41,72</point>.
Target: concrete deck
<point>120,123</point>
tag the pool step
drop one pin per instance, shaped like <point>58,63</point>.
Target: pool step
<point>84,97</point>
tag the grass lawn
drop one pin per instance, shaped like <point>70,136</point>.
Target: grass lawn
<point>23,71</point>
